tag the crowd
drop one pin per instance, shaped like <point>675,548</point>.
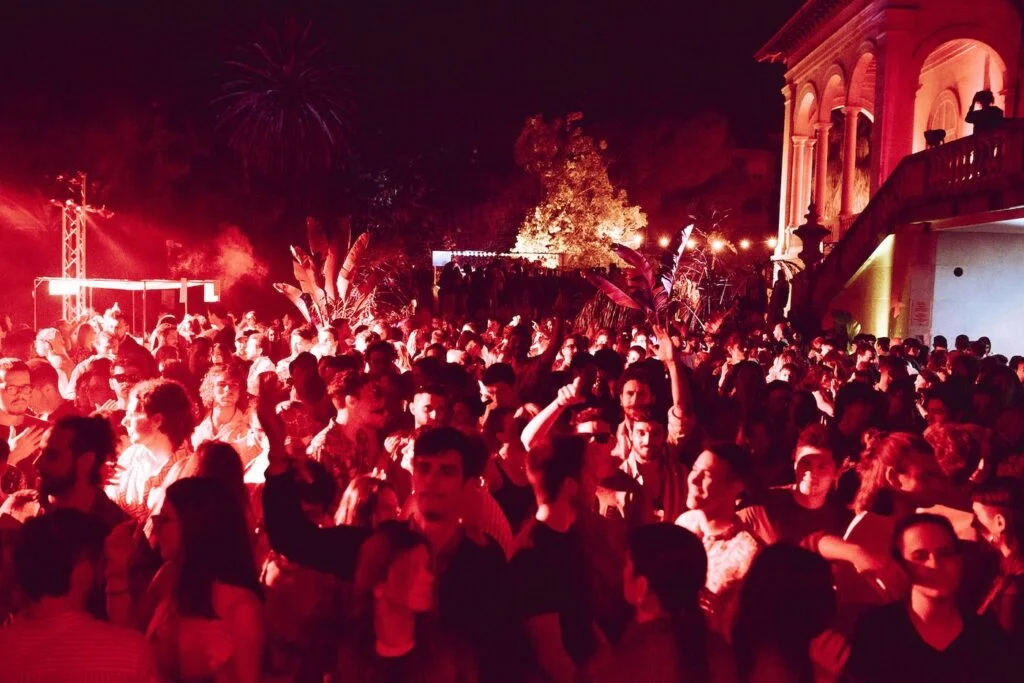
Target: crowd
<point>455,500</point>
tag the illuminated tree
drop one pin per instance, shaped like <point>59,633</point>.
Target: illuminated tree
<point>581,213</point>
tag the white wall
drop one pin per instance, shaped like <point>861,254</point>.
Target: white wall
<point>988,299</point>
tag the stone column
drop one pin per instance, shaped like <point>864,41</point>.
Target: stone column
<point>788,93</point>
<point>797,179</point>
<point>849,161</point>
<point>821,169</point>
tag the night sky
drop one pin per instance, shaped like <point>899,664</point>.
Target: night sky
<point>452,81</point>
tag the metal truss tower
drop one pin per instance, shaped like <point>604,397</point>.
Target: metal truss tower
<point>73,222</point>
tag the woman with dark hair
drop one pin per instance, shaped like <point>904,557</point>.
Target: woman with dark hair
<point>202,612</point>
<point>198,356</point>
<point>391,637</point>
<point>999,512</point>
<point>368,502</point>
<point>787,608</point>
<point>667,642</point>
<point>926,637</point>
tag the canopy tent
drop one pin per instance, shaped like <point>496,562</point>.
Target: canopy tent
<point>61,286</point>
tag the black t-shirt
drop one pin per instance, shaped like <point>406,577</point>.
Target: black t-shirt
<point>778,517</point>
<point>549,575</point>
<point>886,647</point>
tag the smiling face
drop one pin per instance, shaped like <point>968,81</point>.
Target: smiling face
<point>646,441</point>
<point>712,486</point>
<point>815,471</point>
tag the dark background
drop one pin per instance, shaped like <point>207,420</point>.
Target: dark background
<point>439,92</point>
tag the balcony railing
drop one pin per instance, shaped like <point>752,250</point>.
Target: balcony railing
<point>977,163</point>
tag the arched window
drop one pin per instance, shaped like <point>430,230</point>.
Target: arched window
<point>946,115</point>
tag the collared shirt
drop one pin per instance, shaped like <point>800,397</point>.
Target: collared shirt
<point>730,554</point>
<point>342,457</point>
<point>258,367</point>
<point>74,647</point>
<point>239,431</point>
<point>143,473</point>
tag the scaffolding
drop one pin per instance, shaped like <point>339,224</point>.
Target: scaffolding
<point>74,216</point>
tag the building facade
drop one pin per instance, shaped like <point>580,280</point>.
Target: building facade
<point>920,241</point>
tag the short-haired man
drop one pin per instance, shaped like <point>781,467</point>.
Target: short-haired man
<point>348,445</point>
<point>716,481</point>
<point>70,472</point>
<point>22,432</point>
<point>792,513</point>
<point>45,400</point>
<point>159,421</point>
<point>549,597</point>
<point>57,561</point>
<point>471,566</point>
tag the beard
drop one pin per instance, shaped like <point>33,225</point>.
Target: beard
<point>54,484</point>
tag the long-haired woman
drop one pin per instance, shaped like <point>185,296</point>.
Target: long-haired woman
<point>203,611</point>
<point>391,636</point>
<point>227,416</point>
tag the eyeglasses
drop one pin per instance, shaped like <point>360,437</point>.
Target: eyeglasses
<point>17,388</point>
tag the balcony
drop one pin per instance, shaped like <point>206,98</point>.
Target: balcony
<point>975,174</point>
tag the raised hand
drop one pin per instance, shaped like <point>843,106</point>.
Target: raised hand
<point>570,394</point>
<point>26,444</point>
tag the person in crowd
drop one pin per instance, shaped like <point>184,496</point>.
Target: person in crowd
<point>301,340</point>
<point>45,399</point>
<point>368,502</point>
<point>663,480</point>
<point>792,513</point>
<point>203,611</point>
<point>159,420</point>
<point>20,429</point>
<point>227,418</point>
<point>668,640</point>
<point>999,512</point>
<point>926,637</point>
<point>90,387</point>
<point>393,637</point>
<point>349,445</point>
<point>51,348</point>
<point>57,561</point>
<point>785,620</point>
<point>506,469</point>
<point>256,352</point>
<point>552,602</point>
<point>74,456</point>
<point>715,484</point>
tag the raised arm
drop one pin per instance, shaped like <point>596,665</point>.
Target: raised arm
<point>540,426</point>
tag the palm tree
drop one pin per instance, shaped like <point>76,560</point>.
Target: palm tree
<point>284,104</point>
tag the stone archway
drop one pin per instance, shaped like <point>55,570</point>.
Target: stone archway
<point>949,76</point>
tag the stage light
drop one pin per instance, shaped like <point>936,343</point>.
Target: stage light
<point>717,245</point>
<point>691,243</point>
<point>64,287</point>
<point>772,242</point>
<point>744,244</point>
<point>664,242</point>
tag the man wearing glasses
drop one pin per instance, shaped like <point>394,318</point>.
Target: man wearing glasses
<point>23,432</point>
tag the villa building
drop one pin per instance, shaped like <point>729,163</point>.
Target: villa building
<point>921,237</point>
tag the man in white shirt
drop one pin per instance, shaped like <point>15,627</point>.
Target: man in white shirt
<point>55,638</point>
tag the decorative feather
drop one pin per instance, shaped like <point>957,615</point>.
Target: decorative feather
<point>613,292</point>
<point>352,261</point>
<point>305,275</point>
<point>294,295</point>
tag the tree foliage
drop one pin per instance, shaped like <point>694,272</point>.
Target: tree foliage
<point>581,213</point>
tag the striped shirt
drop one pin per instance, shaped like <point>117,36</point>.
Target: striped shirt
<point>73,647</point>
